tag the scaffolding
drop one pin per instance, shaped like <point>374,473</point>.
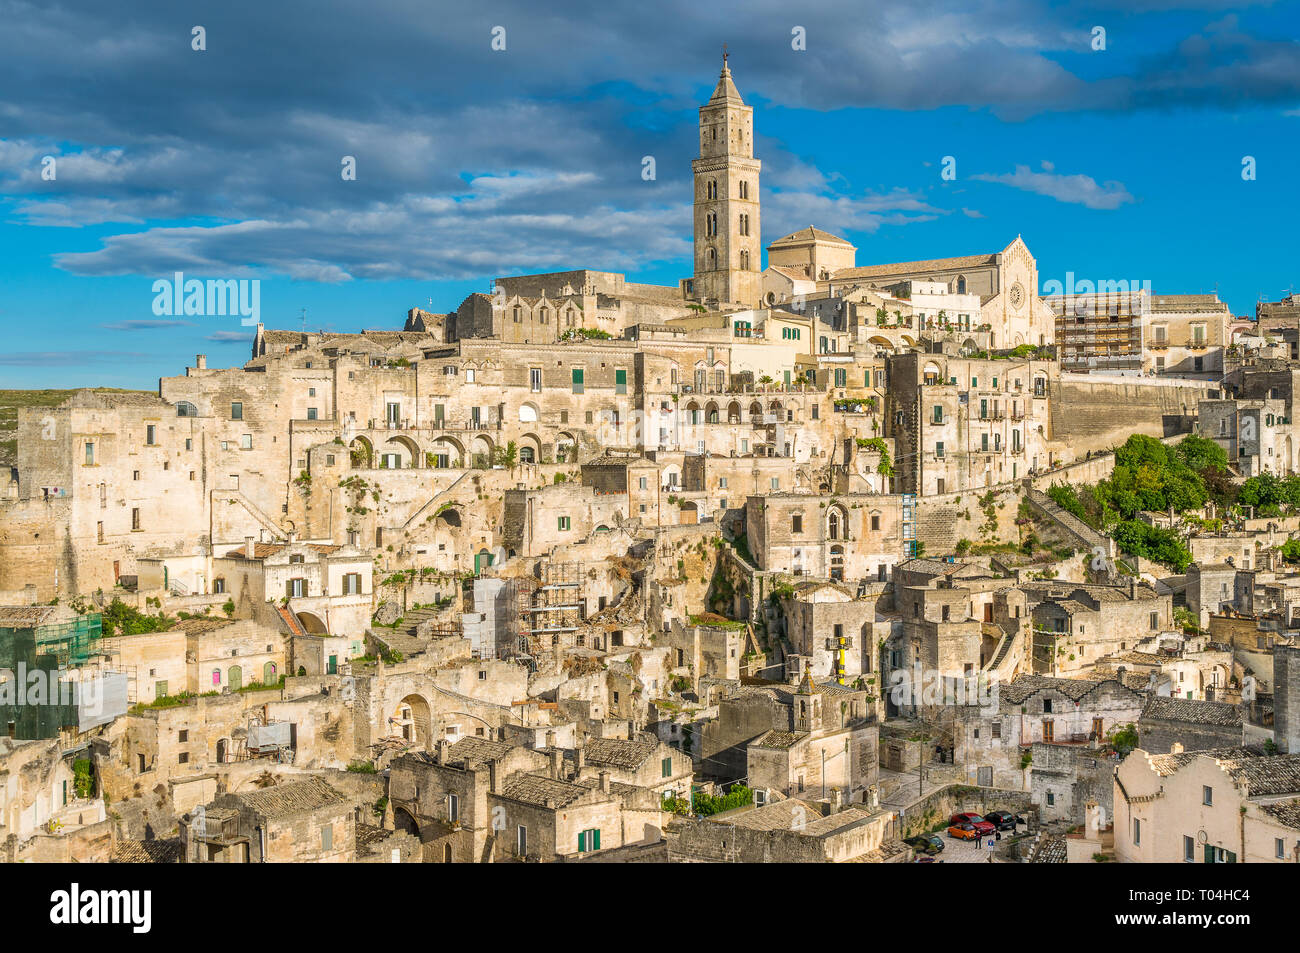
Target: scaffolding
<point>549,608</point>
<point>72,643</point>
<point>265,738</point>
<point>909,525</point>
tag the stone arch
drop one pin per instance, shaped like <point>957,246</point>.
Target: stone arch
<point>404,449</point>
<point>907,339</point>
<point>448,451</point>
<point>411,721</point>
<point>774,407</point>
<point>711,413</point>
<point>311,623</point>
<point>566,448</point>
<point>880,341</point>
<point>185,409</point>
<point>362,452</point>
<point>733,412</point>
<point>961,284</point>
<point>404,821</point>
<point>932,373</point>
<point>528,413</point>
<point>530,448</point>
<point>755,409</point>
<point>480,451</point>
<point>689,513</point>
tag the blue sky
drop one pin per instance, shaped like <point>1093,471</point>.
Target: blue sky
<point>471,163</point>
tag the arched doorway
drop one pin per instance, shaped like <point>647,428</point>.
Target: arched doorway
<point>480,452</point>
<point>447,452</point>
<point>235,678</point>
<point>403,821</point>
<point>312,624</point>
<point>690,513</point>
<point>362,453</point>
<point>411,720</point>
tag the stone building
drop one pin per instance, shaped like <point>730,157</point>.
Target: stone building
<point>1186,724</point>
<point>481,801</point>
<point>642,761</point>
<point>1286,696</point>
<point>1223,805</point>
<point>832,743</point>
<point>1074,624</point>
<point>843,538</point>
<point>727,249</point>
<point>963,424</point>
<point>304,821</point>
<point>789,831</point>
<point>832,632</point>
<point>993,739</point>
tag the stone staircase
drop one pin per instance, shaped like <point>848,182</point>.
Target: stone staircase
<point>1068,525</point>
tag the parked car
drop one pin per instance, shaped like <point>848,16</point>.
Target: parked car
<point>963,830</point>
<point>1003,820</point>
<point>926,843</point>
<point>977,822</point>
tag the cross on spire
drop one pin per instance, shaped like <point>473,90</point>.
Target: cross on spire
<point>724,56</point>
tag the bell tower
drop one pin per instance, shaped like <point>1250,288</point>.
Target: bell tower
<point>727,249</point>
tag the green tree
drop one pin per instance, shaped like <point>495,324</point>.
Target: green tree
<point>1123,740</point>
<point>507,456</point>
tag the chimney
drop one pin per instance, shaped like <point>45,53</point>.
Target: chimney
<point>293,535</point>
<point>493,778</point>
<point>604,782</point>
<point>444,751</point>
<point>579,758</point>
<point>248,547</point>
<point>557,761</point>
<point>1132,587</point>
<point>201,362</point>
<point>550,739</point>
<point>1176,747</point>
<point>837,800</point>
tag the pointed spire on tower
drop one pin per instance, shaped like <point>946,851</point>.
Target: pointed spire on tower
<point>725,91</point>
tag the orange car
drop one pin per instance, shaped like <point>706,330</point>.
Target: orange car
<point>964,830</point>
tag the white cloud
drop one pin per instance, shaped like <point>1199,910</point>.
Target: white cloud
<point>1075,189</point>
